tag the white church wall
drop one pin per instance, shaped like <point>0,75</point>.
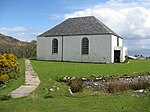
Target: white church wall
<point>113,44</point>
<point>99,48</point>
<point>72,48</point>
<point>44,48</point>
<point>120,42</point>
<point>123,52</point>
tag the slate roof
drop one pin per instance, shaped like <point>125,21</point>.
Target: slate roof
<point>79,26</point>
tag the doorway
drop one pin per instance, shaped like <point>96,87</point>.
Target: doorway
<point>117,56</point>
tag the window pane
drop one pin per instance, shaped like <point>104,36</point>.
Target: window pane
<point>85,46</point>
<point>55,46</point>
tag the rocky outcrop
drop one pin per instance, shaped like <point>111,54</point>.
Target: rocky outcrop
<point>113,84</point>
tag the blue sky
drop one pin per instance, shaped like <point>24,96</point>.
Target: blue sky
<point>25,19</point>
<point>39,13</point>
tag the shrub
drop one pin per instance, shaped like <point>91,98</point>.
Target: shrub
<point>13,76</point>
<point>4,78</point>
<point>115,87</point>
<point>76,85</point>
<point>8,67</point>
<point>140,84</point>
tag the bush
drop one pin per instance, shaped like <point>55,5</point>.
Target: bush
<point>8,67</point>
<point>116,86</point>
<point>4,78</point>
<point>76,85</point>
<point>140,84</point>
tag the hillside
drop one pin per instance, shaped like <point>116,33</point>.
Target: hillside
<point>9,39</point>
<point>21,49</point>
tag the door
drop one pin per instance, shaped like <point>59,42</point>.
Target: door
<point>117,56</point>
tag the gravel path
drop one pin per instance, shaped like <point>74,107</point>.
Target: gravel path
<point>31,82</point>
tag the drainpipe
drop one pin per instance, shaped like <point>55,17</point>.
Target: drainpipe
<point>62,49</point>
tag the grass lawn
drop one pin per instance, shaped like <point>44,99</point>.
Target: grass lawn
<point>87,101</point>
<point>55,69</point>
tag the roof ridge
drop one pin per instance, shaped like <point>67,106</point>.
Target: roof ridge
<point>80,17</point>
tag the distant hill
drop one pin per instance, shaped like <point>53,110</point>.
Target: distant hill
<point>21,49</point>
<point>9,39</point>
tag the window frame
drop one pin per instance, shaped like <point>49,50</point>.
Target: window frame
<point>55,46</point>
<point>85,46</point>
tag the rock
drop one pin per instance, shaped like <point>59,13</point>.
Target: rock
<point>64,78</point>
<point>97,79</point>
<point>52,90</point>
<point>139,91</point>
<point>96,84</point>
<point>57,88</point>
<point>73,78</point>
<point>70,91</point>
<point>83,79</point>
<point>127,82</point>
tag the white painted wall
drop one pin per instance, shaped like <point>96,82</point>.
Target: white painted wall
<point>71,48</point>
<point>101,48</point>
<point>123,52</point>
<point>114,46</point>
<point>120,42</point>
<point>44,48</point>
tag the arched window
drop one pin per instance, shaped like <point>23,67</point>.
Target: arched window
<point>54,46</point>
<point>85,46</point>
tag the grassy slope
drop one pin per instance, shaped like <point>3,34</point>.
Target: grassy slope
<point>54,69</point>
<point>80,102</point>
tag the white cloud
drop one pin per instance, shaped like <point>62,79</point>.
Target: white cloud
<point>125,21</point>
<point>55,16</point>
<point>21,33</point>
<point>130,20</point>
<point>139,43</point>
<point>13,29</point>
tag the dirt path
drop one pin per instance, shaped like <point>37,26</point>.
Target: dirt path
<point>31,82</point>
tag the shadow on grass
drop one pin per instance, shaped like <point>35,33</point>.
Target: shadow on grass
<point>4,97</point>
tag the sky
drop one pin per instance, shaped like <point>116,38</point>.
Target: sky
<point>26,19</point>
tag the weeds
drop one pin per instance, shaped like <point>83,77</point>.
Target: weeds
<point>76,85</point>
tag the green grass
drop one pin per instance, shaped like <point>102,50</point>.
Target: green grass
<point>87,101</point>
<point>55,69</point>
